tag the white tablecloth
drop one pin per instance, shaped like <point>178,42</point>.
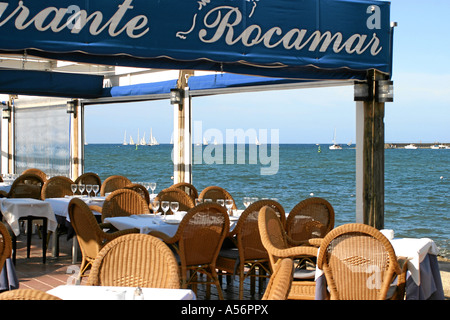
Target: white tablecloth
<point>150,222</point>
<point>14,209</point>
<point>80,292</point>
<point>146,223</point>
<point>60,206</point>
<point>5,186</point>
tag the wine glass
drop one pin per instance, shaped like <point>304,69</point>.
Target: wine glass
<point>95,188</point>
<point>81,188</point>
<point>220,202</point>
<point>155,206</point>
<point>174,206</point>
<point>89,189</point>
<point>246,201</point>
<point>228,205</point>
<point>74,187</point>
<point>165,207</point>
<point>152,186</point>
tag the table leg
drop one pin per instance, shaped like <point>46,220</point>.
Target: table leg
<point>44,239</point>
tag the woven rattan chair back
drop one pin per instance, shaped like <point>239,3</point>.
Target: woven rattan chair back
<point>175,194</point>
<point>56,187</point>
<point>359,263</point>
<point>27,185</point>
<point>198,241</point>
<point>88,178</point>
<point>280,281</point>
<point>135,260</point>
<point>247,231</point>
<point>188,188</point>
<point>37,172</point>
<point>214,193</point>
<point>27,294</point>
<point>5,245</point>
<point>91,237</point>
<point>139,188</point>
<point>113,183</point>
<point>310,218</point>
<point>272,233</point>
<point>124,202</point>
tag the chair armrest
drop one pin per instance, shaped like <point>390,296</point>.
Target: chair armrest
<point>95,207</point>
<point>164,237</point>
<point>315,242</point>
<point>111,236</point>
<point>295,252</point>
<point>3,194</point>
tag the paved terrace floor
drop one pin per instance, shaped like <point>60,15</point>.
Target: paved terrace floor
<point>32,273</point>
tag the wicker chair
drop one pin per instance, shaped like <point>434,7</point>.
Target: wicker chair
<point>27,294</point>
<point>188,188</point>
<point>123,202</point>
<point>135,260</point>
<point>139,188</point>
<point>5,245</point>
<point>248,253</point>
<point>359,263</point>
<point>56,187</point>
<point>214,193</point>
<point>113,183</point>
<point>91,237</point>
<point>197,243</point>
<point>37,172</point>
<point>279,245</point>
<point>89,178</point>
<point>281,280</point>
<point>28,185</point>
<point>175,194</point>
<point>310,218</point>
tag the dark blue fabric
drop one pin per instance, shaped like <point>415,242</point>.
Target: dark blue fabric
<point>50,84</point>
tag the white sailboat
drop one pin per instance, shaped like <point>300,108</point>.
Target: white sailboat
<point>131,140</point>
<point>125,143</point>
<point>152,140</point>
<point>205,143</point>
<point>335,146</point>
<point>142,142</point>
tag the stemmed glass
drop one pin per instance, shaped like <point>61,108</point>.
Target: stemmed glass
<point>220,202</point>
<point>81,188</point>
<point>89,189</point>
<point>247,201</point>
<point>74,187</point>
<point>174,206</point>
<point>95,188</point>
<point>152,186</point>
<point>165,207</point>
<point>228,205</point>
<point>155,206</point>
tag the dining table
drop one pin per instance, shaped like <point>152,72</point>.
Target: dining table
<point>423,279</point>
<point>86,292</point>
<point>155,222</point>
<point>60,207</point>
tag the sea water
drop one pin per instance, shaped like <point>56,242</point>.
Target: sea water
<point>417,182</point>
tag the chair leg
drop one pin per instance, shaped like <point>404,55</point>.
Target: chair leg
<point>29,234</point>
<point>44,240</point>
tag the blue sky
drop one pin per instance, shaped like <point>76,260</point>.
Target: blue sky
<point>420,111</point>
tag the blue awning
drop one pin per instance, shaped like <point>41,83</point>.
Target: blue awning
<point>51,84</point>
<point>315,39</point>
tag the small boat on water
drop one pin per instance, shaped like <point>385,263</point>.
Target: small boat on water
<point>335,146</point>
<point>411,146</point>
